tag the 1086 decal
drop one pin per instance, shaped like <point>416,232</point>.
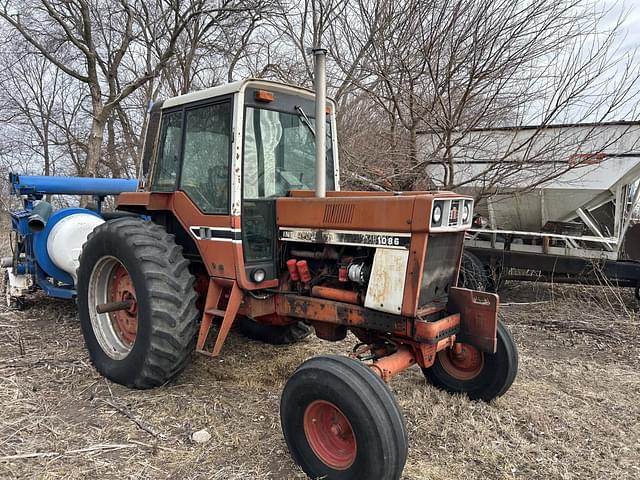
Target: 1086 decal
<point>341,237</point>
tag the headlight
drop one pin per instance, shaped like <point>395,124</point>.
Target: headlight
<point>436,216</point>
<point>467,212</point>
<point>258,275</point>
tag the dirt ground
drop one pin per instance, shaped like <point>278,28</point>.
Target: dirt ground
<point>573,411</point>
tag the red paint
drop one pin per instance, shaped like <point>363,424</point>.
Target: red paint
<point>388,366</point>
<point>303,270</point>
<point>125,322</point>
<point>293,270</point>
<point>343,274</point>
<point>336,294</point>
<point>330,435</point>
<point>463,362</point>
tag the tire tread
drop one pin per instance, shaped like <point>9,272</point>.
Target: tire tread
<point>172,297</point>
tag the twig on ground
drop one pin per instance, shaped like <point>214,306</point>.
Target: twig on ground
<point>28,455</point>
<point>129,414</point>
<point>510,304</point>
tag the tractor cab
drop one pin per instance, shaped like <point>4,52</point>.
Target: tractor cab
<point>232,151</point>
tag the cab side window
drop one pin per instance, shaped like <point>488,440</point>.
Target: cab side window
<point>166,168</point>
<point>206,158</point>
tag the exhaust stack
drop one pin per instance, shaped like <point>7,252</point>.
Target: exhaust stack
<point>320,83</point>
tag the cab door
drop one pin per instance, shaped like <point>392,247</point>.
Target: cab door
<point>194,163</point>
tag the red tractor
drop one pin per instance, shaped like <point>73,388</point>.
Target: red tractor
<point>234,227</point>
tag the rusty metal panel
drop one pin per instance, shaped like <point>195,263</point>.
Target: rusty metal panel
<point>433,332</point>
<point>254,307</point>
<point>340,213</point>
<point>478,317</point>
<point>387,281</point>
<point>318,309</point>
<point>134,201</point>
<point>368,213</point>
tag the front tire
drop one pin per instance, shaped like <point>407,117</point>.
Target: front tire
<point>341,421</point>
<point>479,375</point>
<point>149,342</point>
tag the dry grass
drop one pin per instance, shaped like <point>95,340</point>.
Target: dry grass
<point>573,411</point>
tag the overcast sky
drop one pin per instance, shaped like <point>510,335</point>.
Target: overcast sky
<point>630,9</point>
<point>626,47</point>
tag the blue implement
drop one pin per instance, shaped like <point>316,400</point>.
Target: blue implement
<point>39,185</point>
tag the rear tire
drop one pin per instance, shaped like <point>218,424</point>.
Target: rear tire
<point>489,377</point>
<point>341,421</point>
<point>273,334</point>
<point>151,342</point>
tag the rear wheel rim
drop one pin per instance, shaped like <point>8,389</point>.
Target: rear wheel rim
<point>116,332</point>
<point>330,435</point>
<point>462,362</point>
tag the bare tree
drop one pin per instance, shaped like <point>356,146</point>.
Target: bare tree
<point>30,93</point>
<point>450,67</point>
<point>510,64</point>
<point>443,67</point>
<point>35,96</point>
<point>100,44</point>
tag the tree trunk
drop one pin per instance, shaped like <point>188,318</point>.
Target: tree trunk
<point>413,145</point>
<point>94,145</point>
<point>46,154</point>
<point>448,157</point>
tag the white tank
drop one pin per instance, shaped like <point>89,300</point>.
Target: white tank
<point>65,241</point>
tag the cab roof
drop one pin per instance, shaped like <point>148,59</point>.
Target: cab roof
<point>236,87</point>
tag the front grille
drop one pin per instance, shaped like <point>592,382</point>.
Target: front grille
<point>454,211</point>
<point>443,254</point>
<point>339,213</point>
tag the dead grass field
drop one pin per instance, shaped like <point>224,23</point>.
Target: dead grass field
<point>573,411</point>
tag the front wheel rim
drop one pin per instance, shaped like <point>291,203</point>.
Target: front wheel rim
<point>462,362</point>
<point>116,332</point>
<point>330,435</point>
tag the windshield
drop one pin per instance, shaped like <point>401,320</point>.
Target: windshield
<point>279,154</point>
